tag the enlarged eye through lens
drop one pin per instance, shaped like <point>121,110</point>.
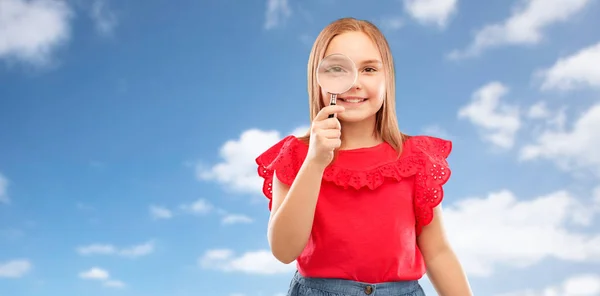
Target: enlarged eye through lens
<point>336,74</point>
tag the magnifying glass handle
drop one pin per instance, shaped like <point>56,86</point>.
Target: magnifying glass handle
<point>332,101</point>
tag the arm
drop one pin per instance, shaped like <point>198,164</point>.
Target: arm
<point>443,268</point>
<point>292,212</point>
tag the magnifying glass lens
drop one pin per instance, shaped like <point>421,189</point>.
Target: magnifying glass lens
<point>336,74</point>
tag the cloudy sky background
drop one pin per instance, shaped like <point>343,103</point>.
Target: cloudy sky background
<point>128,133</point>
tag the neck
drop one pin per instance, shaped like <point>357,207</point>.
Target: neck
<point>359,134</point>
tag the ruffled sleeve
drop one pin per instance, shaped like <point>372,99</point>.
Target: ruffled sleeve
<point>431,176</point>
<point>285,158</point>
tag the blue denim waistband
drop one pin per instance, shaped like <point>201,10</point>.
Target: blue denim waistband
<point>348,287</point>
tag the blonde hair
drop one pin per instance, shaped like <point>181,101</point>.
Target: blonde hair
<point>386,122</point>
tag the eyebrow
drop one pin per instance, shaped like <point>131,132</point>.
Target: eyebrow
<point>336,59</point>
<point>372,61</point>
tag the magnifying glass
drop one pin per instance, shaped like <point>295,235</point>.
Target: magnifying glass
<point>336,74</point>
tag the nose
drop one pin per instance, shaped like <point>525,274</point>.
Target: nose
<point>357,84</point>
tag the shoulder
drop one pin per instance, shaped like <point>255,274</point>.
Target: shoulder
<point>289,146</point>
<point>431,154</point>
<point>434,147</point>
<point>433,173</point>
<point>284,157</point>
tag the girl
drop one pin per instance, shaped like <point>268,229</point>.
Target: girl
<point>356,202</point>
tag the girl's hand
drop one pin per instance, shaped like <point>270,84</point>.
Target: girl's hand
<point>325,136</point>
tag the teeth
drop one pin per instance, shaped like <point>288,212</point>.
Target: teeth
<point>353,100</point>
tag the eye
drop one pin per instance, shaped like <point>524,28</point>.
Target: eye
<point>335,68</point>
<point>370,69</point>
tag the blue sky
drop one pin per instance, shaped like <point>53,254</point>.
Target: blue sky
<point>128,132</point>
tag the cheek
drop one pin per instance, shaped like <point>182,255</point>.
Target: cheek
<point>377,89</point>
<point>324,98</point>
<point>381,91</point>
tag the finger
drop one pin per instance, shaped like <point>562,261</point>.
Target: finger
<point>331,133</point>
<point>333,143</point>
<point>330,123</point>
<point>331,109</point>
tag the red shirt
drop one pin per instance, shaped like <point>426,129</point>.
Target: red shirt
<point>371,207</point>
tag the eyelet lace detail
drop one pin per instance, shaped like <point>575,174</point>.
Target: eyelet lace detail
<point>425,159</point>
<point>431,177</point>
<point>372,178</point>
<point>284,157</point>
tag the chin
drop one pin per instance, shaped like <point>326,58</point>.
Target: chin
<point>353,114</point>
<point>354,117</point>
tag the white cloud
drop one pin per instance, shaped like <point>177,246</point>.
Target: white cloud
<point>541,118</point>
<point>203,207</point>
<point>108,249</point>
<point>300,131</point>
<point>580,70</point>
<point>554,119</point>
<point>199,207</point>
<point>577,285</point>
<point>256,262</point>
<point>158,212</point>
<point>138,250</point>
<point>437,131</point>
<point>237,171</point>
<point>104,19</point>
<point>538,110</point>
<point>498,122</point>
<point>30,31</point>
<point>114,284</point>
<point>4,190</point>
<point>95,273</point>
<point>436,12</point>
<point>391,23</point>
<point>519,233</point>
<point>278,11</point>
<point>14,268</point>
<point>100,274</point>
<point>306,39</point>
<point>525,26</point>
<point>229,219</point>
<point>571,150</point>
<point>97,249</point>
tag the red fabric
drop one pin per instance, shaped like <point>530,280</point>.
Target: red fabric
<point>371,207</point>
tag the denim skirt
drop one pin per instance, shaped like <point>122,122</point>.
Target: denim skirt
<point>304,286</point>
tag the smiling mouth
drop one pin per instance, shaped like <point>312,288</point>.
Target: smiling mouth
<point>352,100</point>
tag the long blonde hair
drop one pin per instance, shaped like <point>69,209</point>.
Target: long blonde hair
<point>386,122</point>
